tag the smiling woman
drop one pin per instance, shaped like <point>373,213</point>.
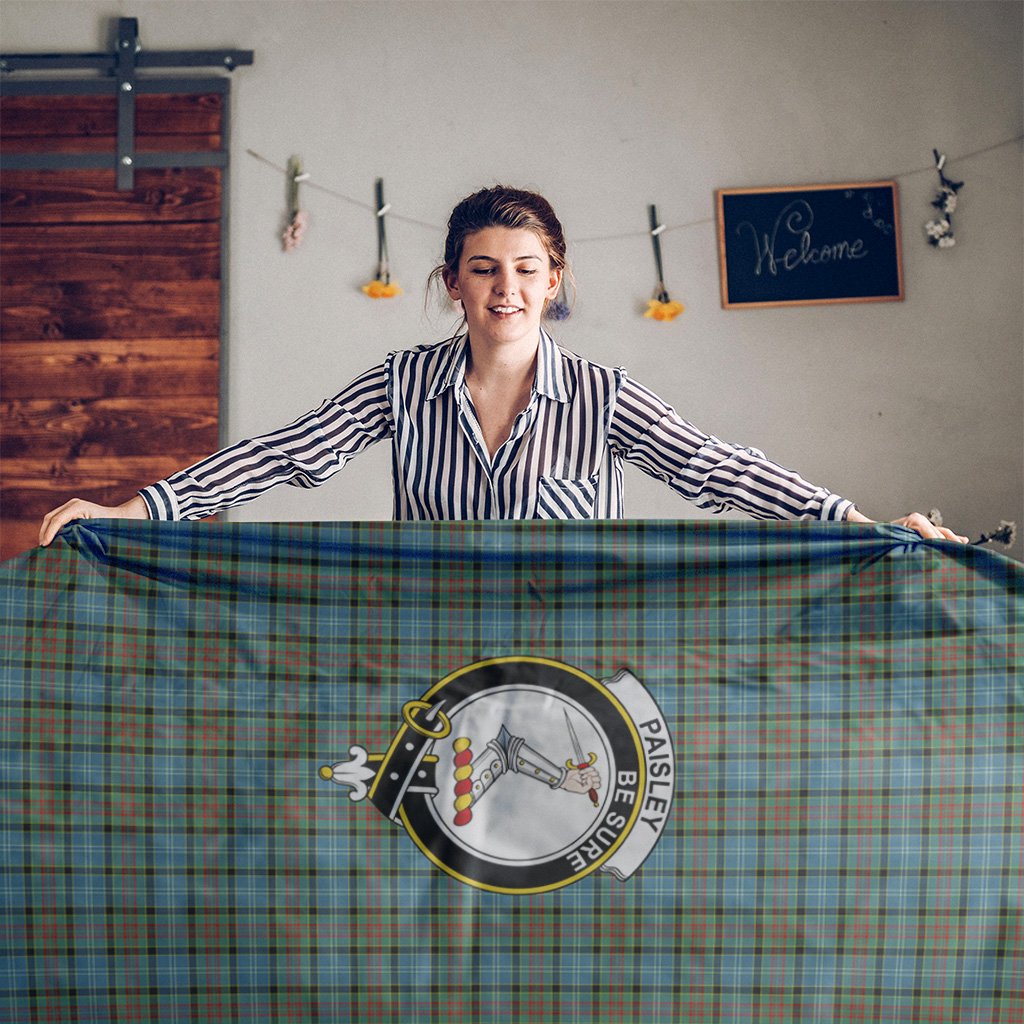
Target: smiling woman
<point>514,210</point>
<point>496,422</point>
<point>504,282</point>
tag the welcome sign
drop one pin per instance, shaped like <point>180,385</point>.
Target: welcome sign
<point>815,244</point>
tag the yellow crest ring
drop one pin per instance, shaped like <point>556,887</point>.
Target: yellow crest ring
<point>408,716</point>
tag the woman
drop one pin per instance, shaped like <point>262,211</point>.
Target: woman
<point>498,422</point>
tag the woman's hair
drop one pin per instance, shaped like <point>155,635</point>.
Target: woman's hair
<point>501,207</point>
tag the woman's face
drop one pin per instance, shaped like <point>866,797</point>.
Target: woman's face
<point>504,280</point>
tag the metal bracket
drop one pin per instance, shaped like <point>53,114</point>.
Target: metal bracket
<point>123,65</point>
<point>128,46</point>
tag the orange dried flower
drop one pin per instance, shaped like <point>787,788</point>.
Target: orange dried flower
<point>664,311</point>
<point>381,290</point>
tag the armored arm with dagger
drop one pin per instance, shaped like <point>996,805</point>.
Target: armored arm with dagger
<point>511,754</point>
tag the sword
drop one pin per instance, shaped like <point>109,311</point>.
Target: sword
<point>580,762</point>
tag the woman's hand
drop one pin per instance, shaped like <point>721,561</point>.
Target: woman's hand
<point>914,521</point>
<point>76,508</point>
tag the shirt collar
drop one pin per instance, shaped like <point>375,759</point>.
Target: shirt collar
<point>451,370</point>
<point>551,376</point>
<point>550,379</point>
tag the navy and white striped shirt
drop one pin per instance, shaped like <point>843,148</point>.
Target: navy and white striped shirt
<point>562,460</point>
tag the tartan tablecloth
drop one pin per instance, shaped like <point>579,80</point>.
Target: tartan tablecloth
<point>228,792</point>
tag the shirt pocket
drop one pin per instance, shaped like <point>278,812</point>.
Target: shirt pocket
<point>562,498</point>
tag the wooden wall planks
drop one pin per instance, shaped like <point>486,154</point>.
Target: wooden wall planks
<point>31,484</point>
<point>77,117</point>
<point>114,309</point>
<point>63,428</point>
<point>110,369</point>
<point>98,252</point>
<point>82,197</point>
<point>110,309</point>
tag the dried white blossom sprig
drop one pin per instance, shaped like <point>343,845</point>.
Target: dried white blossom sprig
<point>940,230</point>
<point>1004,534</point>
<point>298,219</point>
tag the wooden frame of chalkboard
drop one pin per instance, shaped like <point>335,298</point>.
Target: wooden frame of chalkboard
<point>810,245</point>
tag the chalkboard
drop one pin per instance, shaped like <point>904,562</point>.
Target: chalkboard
<point>814,244</point>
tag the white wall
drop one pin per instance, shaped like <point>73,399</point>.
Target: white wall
<point>606,107</point>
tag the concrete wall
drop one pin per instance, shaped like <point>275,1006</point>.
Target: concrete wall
<point>606,107</point>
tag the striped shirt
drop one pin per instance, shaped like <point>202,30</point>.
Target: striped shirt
<point>562,460</point>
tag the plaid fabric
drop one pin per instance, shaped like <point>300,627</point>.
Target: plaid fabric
<point>845,842</point>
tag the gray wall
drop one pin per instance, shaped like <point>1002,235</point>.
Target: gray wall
<point>606,107</point>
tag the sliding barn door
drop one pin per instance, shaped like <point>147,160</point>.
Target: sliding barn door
<point>110,305</point>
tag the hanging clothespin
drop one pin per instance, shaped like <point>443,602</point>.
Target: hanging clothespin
<point>661,307</point>
<point>383,270</point>
<point>940,163</point>
<point>296,176</point>
<point>381,287</point>
<point>660,293</point>
<point>297,217</point>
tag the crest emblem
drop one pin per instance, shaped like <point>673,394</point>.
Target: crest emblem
<point>523,775</point>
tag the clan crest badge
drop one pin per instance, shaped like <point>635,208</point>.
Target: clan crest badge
<point>523,775</point>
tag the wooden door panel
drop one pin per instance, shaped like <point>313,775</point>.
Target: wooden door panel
<point>33,486</point>
<point>128,309</point>
<point>75,117</point>
<point>110,369</point>
<point>104,143</point>
<point>99,252</point>
<point>111,305</point>
<point>52,428</point>
<point>81,197</point>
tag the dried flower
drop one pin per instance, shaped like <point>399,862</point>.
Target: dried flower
<point>381,289</point>
<point>292,236</point>
<point>940,232</point>
<point>299,219</point>
<point>558,308</point>
<point>1005,534</point>
<point>661,307</point>
<point>665,311</point>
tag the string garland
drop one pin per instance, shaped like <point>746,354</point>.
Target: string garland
<point>311,183</point>
<point>660,308</point>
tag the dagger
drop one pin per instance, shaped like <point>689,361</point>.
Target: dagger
<point>581,762</point>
